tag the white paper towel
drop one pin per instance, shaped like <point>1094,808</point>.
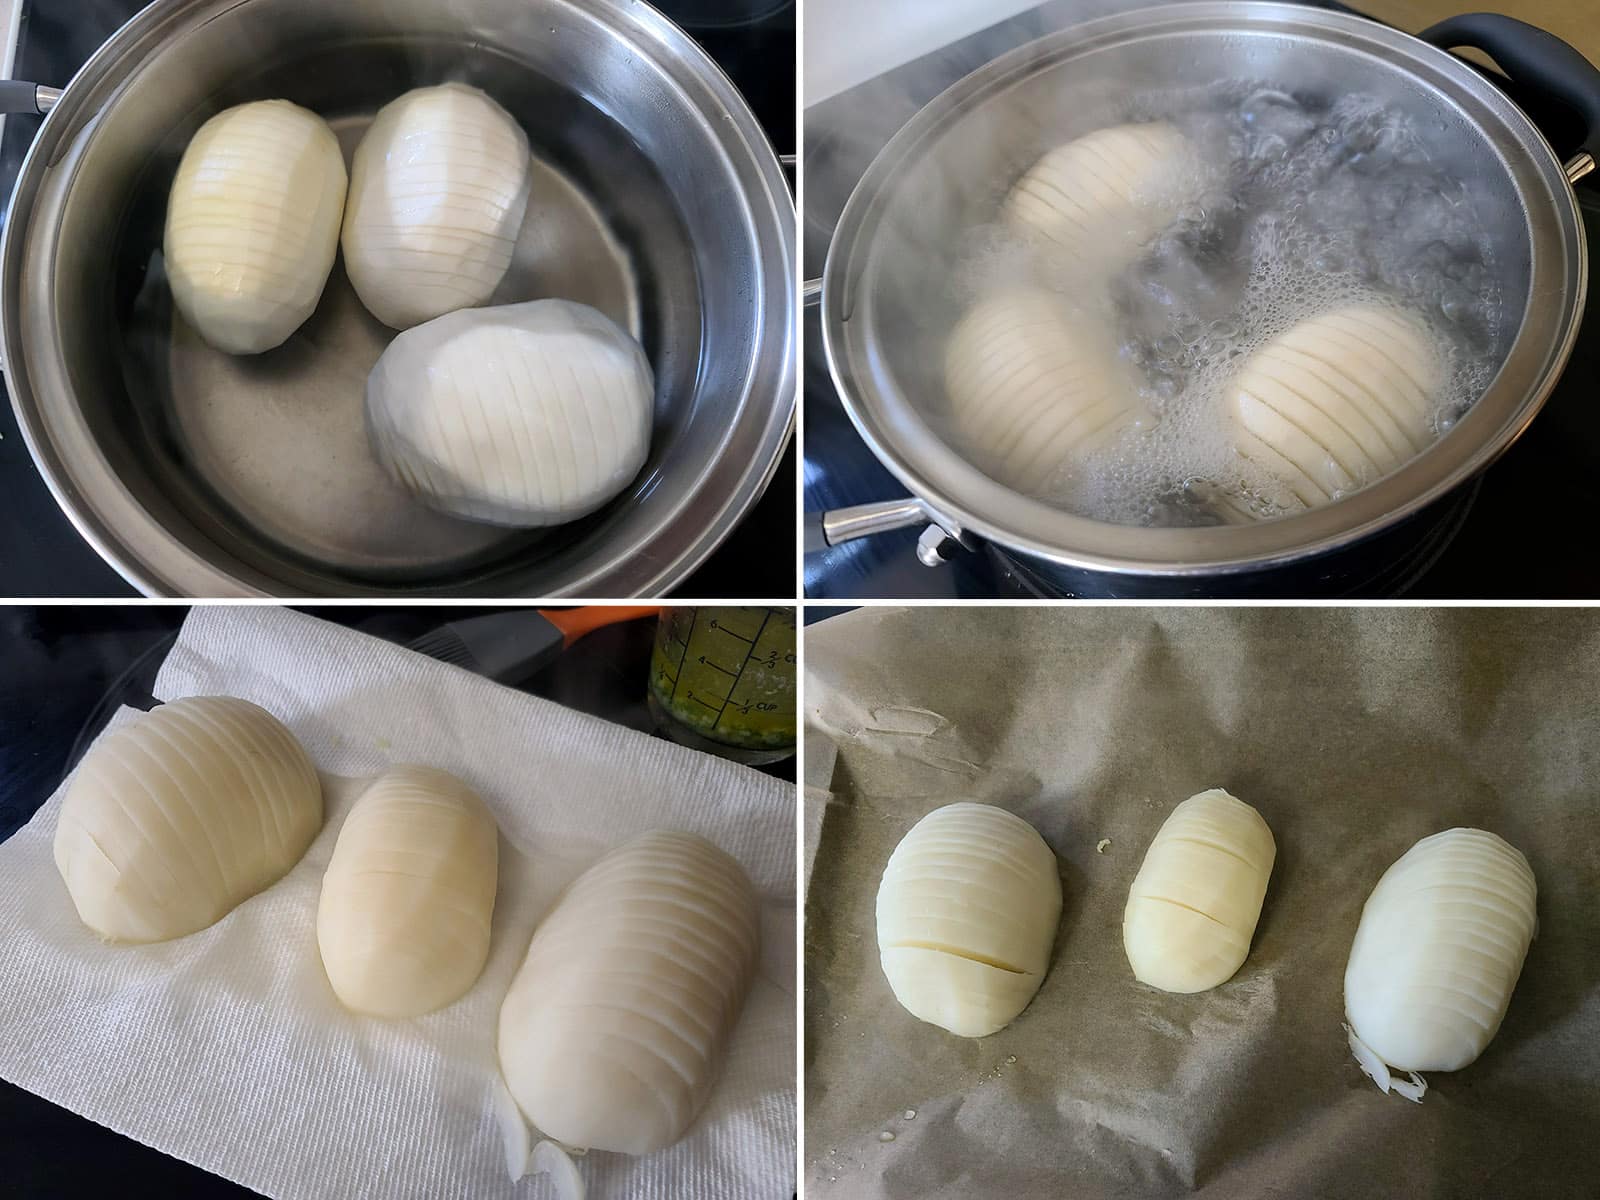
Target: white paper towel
<point>227,1047</point>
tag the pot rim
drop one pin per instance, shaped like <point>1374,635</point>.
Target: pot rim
<point>114,522</point>
<point>886,419</point>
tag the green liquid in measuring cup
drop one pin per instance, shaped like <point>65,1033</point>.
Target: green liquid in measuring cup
<point>728,674</point>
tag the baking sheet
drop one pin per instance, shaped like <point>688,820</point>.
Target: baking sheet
<point>1355,732</point>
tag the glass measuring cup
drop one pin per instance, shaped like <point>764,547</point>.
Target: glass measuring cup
<point>723,680</point>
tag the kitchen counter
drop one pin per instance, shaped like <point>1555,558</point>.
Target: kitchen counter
<point>1576,22</point>
<point>848,43</point>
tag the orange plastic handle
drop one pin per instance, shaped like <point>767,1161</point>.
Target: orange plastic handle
<point>575,622</point>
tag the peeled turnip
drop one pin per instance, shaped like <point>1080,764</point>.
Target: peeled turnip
<point>253,224</point>
<point>1193,906</point>
<point>613,1032</point>
<point>1337,401</point>
<point>403,920</point>
<point>181,815</point>
<point>967,913</point>
<point>1032,389</point>
<point>1100,197</point>
<point>527,414</point>
<point>438,190</point>
<point>1438,951</point>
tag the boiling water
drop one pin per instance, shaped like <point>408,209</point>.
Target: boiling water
<point>1304,205</point>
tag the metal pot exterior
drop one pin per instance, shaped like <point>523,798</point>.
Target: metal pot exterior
<point>698,200</point>
<point>860,301</point>
<point>1388,563</point>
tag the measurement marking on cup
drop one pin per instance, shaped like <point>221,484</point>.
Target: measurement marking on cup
<point>685,654</point>
<point>716,692</point>
<point>752,653</point>
<point>672,676</point>
<point>745,640</point>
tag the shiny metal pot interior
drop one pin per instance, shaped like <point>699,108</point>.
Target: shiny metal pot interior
<point>885,310</point>
<point>657,198</point>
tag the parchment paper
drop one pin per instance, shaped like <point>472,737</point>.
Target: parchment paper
<point>228,1049</point>
<point>1355,732</point>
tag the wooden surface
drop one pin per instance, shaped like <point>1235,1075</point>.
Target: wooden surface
<point>1575,21</point>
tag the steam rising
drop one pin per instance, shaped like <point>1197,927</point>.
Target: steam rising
<point>1303,195</point>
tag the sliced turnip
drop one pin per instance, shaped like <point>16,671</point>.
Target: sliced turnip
<point>253,224</point>
<point>528,414</point>
<point>438,190</point>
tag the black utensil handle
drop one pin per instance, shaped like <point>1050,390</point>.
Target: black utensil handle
<point>1533,57</point>
<point>19,96</point>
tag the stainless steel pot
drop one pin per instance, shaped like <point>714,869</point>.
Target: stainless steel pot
<point>882,323</point>
<point>656,198</point>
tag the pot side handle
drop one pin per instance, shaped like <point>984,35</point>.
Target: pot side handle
<point>1535,58</point>
<point>941,540</point>
<point>19,96</point>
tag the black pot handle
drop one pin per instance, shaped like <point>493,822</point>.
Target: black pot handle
<point>1532,57</point>
<point>17,96</point>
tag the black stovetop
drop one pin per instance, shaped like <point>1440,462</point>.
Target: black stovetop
<point>41,554</point>
<point>1510,544</point>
